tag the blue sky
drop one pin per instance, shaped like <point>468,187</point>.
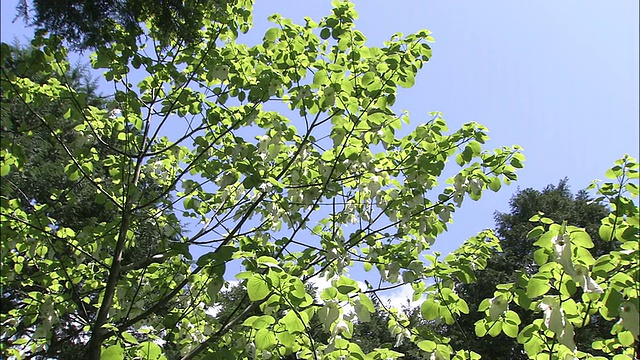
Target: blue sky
<point>558,78</point>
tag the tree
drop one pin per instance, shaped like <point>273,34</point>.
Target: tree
<point>42,174</point>
<point>326,181</point>
<point>43,184</point>
<point>377,332</point>
<point>571,293</point>
<point>556,202</point>
<point>89,24</point>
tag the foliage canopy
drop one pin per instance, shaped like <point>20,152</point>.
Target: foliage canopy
<point>288,160</point>
<point>556,202</point>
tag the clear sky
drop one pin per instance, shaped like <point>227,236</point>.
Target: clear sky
<point>559,78</point>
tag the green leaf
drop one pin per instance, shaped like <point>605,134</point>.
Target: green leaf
<point>297,289</point>
<point>481,328</point>
<point>612,300</point>
<point>367,303</point>
<point>606,232</point>
<point>626,338</point>
<point>320,77</point>
<point>495,329</point>
<point>475,147</point>
<point>287,339</point>
<point>257,288</point>
<point>272,34</point>
<point>329,293</point>
<point>4,169</point>
<point>325,33</point>
<point>261,322</point>
<point>537,287</point>
<point>265,339</point>
<point>522,299</point>
<point>484,304</point>
<point>603,266</point>
<point>512,317</point>
<point>114,352</point>
<point>328,314</point>
<point>292,322</point>
<point>129,338</point>
<point>536,232</point>
<point>427,345</point>
<point>581,238</point>
<point>540,256</point>
<point>150,350</point>
<point>346,285</point>
<point>516,163</point>
<point>462,306</point>
<point>267,261</point>
<point>430,309</point>
<point>368,78</point>
<point>406,80</point>
<point>528,333</point>
<point>511,330</point>
<point>495,184</point>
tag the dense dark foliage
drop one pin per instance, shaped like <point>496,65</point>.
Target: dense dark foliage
<point>87,24</point>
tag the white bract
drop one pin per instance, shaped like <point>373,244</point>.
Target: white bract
<point>582,277</point>
<point>340,328</point>
<point>562,252</point>
<point>629,318</point>
<point>555,320</point>
<point>221,72</point>
<point>498,307</point>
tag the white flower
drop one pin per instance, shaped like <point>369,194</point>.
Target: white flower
<point>265,187</point>
<point>341,327</point>
<point>555,321</point>
<point>445,214</point>
<point>498,307</point>
<point>553,315</point>
<point>158,167</point>
<point>562,251</point>
<point>263,142</point>
<point>476,186</point>
<point>460,183</point>
<point>374,184</point>
<point>629,318</point>
<point>115,113</point>
<point>251,349</point>
<point>582,277</point>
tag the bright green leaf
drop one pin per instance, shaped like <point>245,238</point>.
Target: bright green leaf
<point>265,339</point>
<point>114,352</point>
<point>537,287</point>
<point>257,288</point>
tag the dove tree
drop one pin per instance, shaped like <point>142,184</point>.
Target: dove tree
<point>557,202</point>
<point>570,286</point>
<point>285,158</point>
<point>285,161</point>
